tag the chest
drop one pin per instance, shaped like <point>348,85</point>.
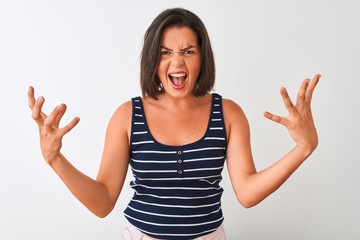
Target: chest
<point>178,128</point>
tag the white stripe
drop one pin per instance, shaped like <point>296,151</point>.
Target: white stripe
<point>138,123</point>
<point>176,225</point>
<point>172,188</point>
<point>155,171</point>
<point>201,169</point>
<point>216,112</point>
<point>136,100</point>
<point>203,149</point>
<point>137,107</point>
<point>151,161</point>
<point>135,133</point>
<point>203,159</point>
<point>216,105</point>
<point>216,120</point>
<point>174,216</point>
<point>162,152</point>
<point>217,98</point>
<point>176,197</point>
<point>175,206</point>
<point>173,179</point>
<point>143,142</point>
<point>214,138</point>
<point>210,182</point>
<point>138,115</point>
<point>216,128</point>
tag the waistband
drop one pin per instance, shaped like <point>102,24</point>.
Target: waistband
<point>130,232</point>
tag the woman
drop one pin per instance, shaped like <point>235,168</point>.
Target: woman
<point>176,138</point>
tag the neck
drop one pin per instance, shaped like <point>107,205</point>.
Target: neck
<point>181,103</point>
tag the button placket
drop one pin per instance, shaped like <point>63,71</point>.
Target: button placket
<point>180,165</point>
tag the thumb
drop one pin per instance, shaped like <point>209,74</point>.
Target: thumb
<point>274,118</point>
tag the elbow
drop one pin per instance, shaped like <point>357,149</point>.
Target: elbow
<point>102,215</point>
<point>103,206</point>
<point>246,204</point>
<point>103,211</point>
<point>247,201</point>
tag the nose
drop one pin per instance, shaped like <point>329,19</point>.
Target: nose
<point>177,59</point>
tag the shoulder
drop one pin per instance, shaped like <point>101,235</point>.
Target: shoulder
<point>231,109</point>
<point>123,111</point>
<point>234,116</point>
<point>121,118</point>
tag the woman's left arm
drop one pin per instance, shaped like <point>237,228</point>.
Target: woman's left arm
<point>250,186</point>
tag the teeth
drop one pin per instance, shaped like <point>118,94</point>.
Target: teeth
<point>177,74</point>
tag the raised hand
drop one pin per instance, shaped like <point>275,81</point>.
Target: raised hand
<point>50,133</point>
<point>299,122</point>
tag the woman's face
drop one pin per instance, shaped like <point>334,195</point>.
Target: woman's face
<point>180,61</point>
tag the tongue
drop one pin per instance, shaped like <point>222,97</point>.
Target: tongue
<point>178,80</point>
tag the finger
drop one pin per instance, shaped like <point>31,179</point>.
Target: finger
<point>49,121</point>
<point>70,126</point>
<point>31,101</point>
<point>36,110</point>
<point>310,89</point>
<point>287,101</point>
<point>59,116</point>
<point>274,118</point>
<point>302,91</point>
<point>31,98</point>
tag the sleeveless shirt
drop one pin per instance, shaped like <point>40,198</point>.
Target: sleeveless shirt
<point>177,189</point>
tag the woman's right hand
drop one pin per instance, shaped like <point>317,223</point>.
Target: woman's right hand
<point>50,133</point>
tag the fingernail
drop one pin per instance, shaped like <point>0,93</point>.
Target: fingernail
<point>40,99</point>
<point>59,107</point>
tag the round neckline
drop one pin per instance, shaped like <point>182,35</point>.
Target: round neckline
<point>184,145</point>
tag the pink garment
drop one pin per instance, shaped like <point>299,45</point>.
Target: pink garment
<point>132,233</point>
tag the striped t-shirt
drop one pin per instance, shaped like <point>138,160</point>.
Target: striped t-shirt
<point>177,192</point>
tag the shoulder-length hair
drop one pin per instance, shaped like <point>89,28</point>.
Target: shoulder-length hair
<point>150,55</point>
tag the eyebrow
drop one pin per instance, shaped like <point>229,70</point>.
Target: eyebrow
<point>184,49</point>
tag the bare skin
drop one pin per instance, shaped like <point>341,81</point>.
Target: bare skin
<point>250,186</point>
<point>99,195</point>
<point>165,121</point>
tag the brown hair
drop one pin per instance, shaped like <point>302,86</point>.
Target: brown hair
<point>150,55</point>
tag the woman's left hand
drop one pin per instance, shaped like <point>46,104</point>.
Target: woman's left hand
<point>299,122</point>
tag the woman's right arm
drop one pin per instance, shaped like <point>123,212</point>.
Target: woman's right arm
<point>99,195</point>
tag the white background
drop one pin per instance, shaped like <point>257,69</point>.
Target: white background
<point>86,54</point>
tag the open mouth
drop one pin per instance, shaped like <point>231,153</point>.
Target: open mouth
<point>178,79</point>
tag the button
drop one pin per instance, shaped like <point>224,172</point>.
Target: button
<point>179,152</point>
<point>180,172</point>
<point>179,161</point>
